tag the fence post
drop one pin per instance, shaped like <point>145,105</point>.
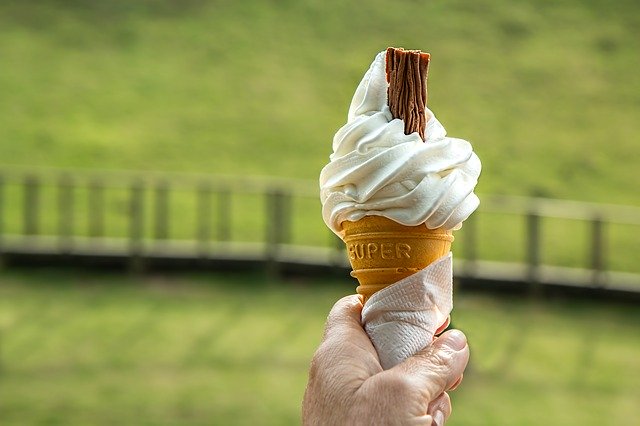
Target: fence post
<point>136,225</point>
<point>276,227</point>
<point>203,219</point>
<point>597,252</point>
<point>96,206</point>
<point>533,252</point>
<point>224,215</point>
<point>470,245</point>
<point>65,214</point>
<point>2,204</point>
<point>31,205</point>
<point>285,217</point>
<point>161,213</point>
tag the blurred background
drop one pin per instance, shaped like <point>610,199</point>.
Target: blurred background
<point>162,255</point>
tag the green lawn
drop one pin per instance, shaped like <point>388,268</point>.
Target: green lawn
<point>80,348</point>
<point>547,91</point>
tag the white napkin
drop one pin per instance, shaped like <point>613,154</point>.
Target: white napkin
<point>402,318</point>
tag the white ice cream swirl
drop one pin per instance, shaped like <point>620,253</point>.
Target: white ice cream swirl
<point>376,169</point>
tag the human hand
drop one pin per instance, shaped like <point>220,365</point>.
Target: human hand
<point>347,385</point>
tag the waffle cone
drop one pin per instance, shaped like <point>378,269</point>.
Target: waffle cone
<point>382,251</point>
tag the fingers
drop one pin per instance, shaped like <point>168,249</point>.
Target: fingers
<point>438,367</point>
<point>443,327</point>
<point>440,409</point>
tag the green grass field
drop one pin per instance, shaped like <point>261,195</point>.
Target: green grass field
<point>547,91</point>
<point>78,348</point>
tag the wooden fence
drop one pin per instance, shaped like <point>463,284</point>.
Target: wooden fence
<point>142,217</point>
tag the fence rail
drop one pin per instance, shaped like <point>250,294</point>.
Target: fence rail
<point>145,216</point>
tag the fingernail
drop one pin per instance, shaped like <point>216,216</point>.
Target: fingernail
<point>438,418</point>
<point>456,340</point>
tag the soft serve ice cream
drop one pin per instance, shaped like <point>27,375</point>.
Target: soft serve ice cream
<point>377,170</point>
<point>395,199</point>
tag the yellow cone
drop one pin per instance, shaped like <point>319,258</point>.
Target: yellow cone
<point>382,251</point>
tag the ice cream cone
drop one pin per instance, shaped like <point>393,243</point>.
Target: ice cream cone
<point>382,251</point>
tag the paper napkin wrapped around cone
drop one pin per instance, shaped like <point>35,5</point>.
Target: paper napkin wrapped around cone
<point>402,318</point>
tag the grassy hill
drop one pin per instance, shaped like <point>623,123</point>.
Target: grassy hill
<point>547,92</point>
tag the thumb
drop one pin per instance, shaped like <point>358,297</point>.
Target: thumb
<point>437,368</point>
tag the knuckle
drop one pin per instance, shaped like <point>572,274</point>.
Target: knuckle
<point>341,306</point>
<point>338,313</point>
<point>401,385</point>
<point>444,357</point>
<point>323,354</point>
